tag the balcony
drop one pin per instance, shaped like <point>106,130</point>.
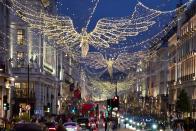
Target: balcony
<point>187,77</point>
<point>24,70</point>
<point>21,94</point>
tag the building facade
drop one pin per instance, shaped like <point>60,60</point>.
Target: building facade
<point>182,66</point>
<point>5,80</point>
<point>156,80</point>
<point>34,64</point>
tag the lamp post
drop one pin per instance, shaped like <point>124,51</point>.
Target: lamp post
<point>28,85</point>
<point>125,109</point>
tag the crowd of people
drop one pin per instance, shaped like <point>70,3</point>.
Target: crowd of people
<point>39,121</point>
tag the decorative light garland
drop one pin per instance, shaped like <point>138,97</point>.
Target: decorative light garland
<point>107,30</point>
<point>123,62</point>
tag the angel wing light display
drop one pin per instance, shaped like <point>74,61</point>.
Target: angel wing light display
<point>123,62</point>
<point>107,31</point>
<point>101,90</point>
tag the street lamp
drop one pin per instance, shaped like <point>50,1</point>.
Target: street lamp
<point>28,79</point>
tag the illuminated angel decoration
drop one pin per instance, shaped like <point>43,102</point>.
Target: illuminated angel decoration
<point>124,62</point>
<point>105,89</point>
<point>107,30</point>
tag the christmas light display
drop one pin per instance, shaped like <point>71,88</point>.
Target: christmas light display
<point>61,31</point>
<point>107,30</point>
<point>103,90</point>
<point>123,62</point>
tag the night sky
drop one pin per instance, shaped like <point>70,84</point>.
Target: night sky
<point>79,10</point>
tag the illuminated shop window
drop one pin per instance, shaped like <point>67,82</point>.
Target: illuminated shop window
<point>20,37</point>
<point>20,59</point>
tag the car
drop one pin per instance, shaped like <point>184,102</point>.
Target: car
<point>84,123</point>
<point>71,126</point>
<point>51,126</point>
<point>26,127</point>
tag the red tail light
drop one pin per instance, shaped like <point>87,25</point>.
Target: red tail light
<point>52,129</point>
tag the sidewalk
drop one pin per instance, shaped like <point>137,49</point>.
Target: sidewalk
<point>124,129</point>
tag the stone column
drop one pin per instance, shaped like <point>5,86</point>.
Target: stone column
<point>10,97</point>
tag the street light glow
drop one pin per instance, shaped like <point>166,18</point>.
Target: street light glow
<point>154,126</point>
<point>12,79</point>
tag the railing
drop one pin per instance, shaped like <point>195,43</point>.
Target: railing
<point>187,77</point>
<point>25,70</point>
<point>22,93</point>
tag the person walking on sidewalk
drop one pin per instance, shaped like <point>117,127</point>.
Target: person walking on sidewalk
<point>106,125</point>
<point>179,127</point>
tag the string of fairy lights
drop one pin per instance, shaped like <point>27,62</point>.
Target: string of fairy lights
<point>147,43</point>
<point>155,13</point>
<point>122,63</point>
<point>105,87</point>
<point>91,15</point>
<point>108,31</point>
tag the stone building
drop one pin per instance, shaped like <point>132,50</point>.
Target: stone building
<point>182,65</point>
<point>5,80</point>
<point>34,64</point>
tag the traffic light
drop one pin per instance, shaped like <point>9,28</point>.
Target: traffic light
<point>109,108</point>
<point>115,102</point>
<point>47,108</point>
<point>109,104</point>
<point>5,103</point>
<point>73,110</point>
<point>106,114</point>
<point>6,106</point>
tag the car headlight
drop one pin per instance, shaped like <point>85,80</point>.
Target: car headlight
<point>154,126</point>
<point>131,121</point>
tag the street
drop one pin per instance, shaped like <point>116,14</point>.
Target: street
<point>122,129</point>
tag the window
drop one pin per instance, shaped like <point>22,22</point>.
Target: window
<point>17,85</point>
<point>20,37</point>
<point>20,55</point>
<point>20,59</point>
<point>21,90</point>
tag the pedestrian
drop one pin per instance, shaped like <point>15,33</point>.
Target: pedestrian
<point>60,127</point>
<point>179,127</point>
<point>106,125</point>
